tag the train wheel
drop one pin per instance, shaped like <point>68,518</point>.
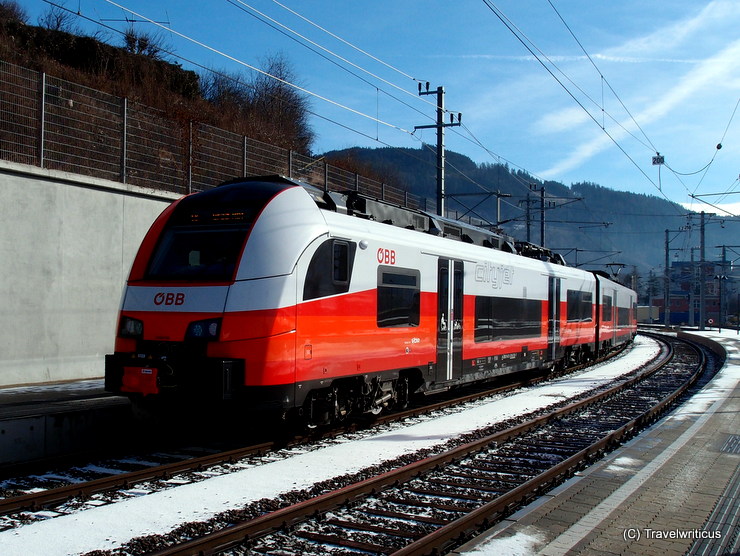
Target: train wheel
<point>317,412</point>
<point>403,394</point>
<point>341,404</point>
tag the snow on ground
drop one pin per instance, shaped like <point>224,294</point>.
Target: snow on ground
<point>528,543</point>
<point>724,381</point>
<point>519,544</point>
<point>110,526</point>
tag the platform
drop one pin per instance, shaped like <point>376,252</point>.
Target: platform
<point>674,489</point>
<point>48,420</point>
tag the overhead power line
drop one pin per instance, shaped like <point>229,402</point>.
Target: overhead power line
<point>258,70</point>
<point>251,10</point>
<point>601,75</point>
<point>358,49</point>
<point>526,43</point>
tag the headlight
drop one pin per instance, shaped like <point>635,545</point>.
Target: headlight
<point>207,329</point>
<point>131,328</point>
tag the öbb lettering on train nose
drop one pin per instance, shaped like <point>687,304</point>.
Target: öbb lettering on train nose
<point>169,298</point>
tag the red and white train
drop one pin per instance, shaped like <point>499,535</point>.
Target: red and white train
<point>285,297</point>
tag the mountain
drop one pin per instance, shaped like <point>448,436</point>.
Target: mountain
<point>590,225</point>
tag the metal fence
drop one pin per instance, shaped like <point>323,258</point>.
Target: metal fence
<point>55,124</point>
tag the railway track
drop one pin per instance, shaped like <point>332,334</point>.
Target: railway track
<point>432,504</point>
<point>48,491</point>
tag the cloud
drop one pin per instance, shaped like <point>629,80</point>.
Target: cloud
<point>562,120</point>
<point>679,33</point>
<point>723,209</point>
<point>709,73</point>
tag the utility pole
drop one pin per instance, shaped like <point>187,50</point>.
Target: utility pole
<point>692,290</point>
<point>440,127</point>
<point>528,213</point>
<point>702,276</point>
<point>722,276</point>
<point>666,286</point>
<point>542,216</point>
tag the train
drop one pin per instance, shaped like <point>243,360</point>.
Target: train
<point>285,298</point>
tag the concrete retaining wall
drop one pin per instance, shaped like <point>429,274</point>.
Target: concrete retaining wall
<point>66,247</point>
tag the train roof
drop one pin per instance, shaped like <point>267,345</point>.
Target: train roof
<point>353,203</point>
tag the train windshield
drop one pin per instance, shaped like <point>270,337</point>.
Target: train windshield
<point>205,234</point>
<point>198,253</point>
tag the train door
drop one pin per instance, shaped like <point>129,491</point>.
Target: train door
<point>449,319</point>
<point>553,318</point>
<point>615,317</point>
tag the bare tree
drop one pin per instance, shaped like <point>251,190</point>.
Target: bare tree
<point>225,89</point>
<point>151,45</point>
<point>277,101</point>
<point>56,18</point>
<point>11,10</point>
<point>265,107</point>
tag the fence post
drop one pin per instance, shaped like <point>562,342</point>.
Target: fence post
<point>357,181</point>
<point>326,176</point>
<point>290,163</point>
<point>42,130</point>
<point>244,157</point>
<point>124,141</point>
<point>190,157</point>
<point>382,191</point>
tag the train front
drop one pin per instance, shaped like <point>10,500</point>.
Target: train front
<point>208,313</point>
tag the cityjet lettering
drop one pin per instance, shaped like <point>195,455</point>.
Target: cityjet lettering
<point>497,275</point>
<point>169,298</point>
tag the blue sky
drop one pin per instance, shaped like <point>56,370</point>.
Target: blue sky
<point>641,77</point>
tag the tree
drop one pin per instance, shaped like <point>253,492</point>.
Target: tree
<point>11,10</point>
<point>56,18</point>
<point>225,90</point>
<point>151,45</point>
<point>276,101</point>
<point>265,107</point>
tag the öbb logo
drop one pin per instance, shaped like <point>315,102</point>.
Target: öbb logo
<point>386,256</point>
<point>169,298</point>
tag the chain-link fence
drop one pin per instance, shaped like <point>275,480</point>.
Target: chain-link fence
<point>48,122</point>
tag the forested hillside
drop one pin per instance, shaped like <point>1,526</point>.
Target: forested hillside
<point>589,224</point>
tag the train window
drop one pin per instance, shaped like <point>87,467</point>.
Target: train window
<point>340,262</point>
<point>197,253</point>
<point>399,291</point>
<point>330,269</point>
<point>579,306</point>
<point>606,308</point>
<point>503,318</point>
<point>623,316</point>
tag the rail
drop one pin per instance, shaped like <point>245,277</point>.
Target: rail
<point>495,503</point>
<point>54,496</point>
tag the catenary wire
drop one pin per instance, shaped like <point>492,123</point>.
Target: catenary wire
<point>497,12</point>
<point>251,10</point>
<point>224,75</point>
<point>601,75</point>
<point>258,70</point>
<point>348,43</point>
